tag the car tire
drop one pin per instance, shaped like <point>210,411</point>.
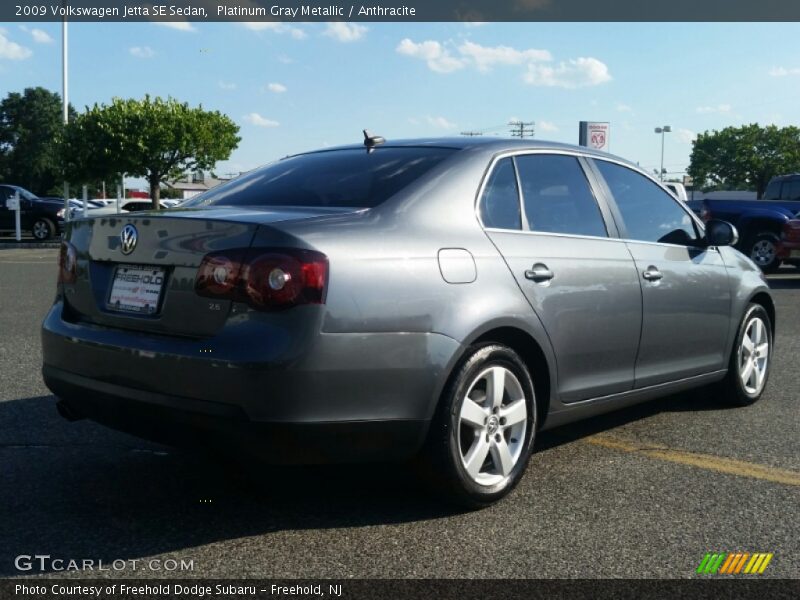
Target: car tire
<point>43,229</point>
<point>762,249</point>
<point>749,364</point>
<point>477,453</point>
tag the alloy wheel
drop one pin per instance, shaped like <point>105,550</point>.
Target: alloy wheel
<point>493,422</point>
<point>41,231</point>
<point>763,253</point>
<point>754,356</point>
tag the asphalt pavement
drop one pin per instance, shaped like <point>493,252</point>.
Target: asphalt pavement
<point>643,492</point>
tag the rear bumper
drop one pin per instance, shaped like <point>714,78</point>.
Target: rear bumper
<point>344,397</point>
<point>789,251</point>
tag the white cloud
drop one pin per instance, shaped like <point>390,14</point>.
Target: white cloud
<point>345,32</point>
<point>719,108</point>
<point>440,122</point>
<point>225,85</point>
<point>178,25</point>
<point>469,24</point>
<point>39,36</point>
<point>256,119</point>
<point>275,27</point>
<point>578,72</point>
<point>277,88</point>
<point>437,57</point>
<point>142,52</point>
<point>485,57</point>
<point>687,136</point>
<point>783,71</point>
<point>624,108</point>
<point>574,73</point>
<point>546,126</point>
<point>11,50</point>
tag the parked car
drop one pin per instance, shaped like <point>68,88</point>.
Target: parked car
<point>441,299</point>
<point>677,189</point>
<point>759,222</point>
<point>43,218</point>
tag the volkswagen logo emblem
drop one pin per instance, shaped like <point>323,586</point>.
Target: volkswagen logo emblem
<point>128,238</point>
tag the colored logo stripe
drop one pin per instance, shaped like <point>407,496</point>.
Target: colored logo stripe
<point>734,563</point>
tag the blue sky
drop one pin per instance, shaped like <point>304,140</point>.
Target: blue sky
<point>295,87</point>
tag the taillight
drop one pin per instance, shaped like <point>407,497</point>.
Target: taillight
<point>791,230</point>
<point>266,279</point>
<point>705,213</point>
<point>67,263</point>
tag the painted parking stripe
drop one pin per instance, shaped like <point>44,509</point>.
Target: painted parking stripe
<point>709,462</point>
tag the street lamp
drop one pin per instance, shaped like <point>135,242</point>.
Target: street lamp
<point>662,131</point>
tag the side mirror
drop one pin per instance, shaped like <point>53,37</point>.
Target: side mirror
<point>721,233</point>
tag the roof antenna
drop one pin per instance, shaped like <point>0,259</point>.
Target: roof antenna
<point>370,141</point>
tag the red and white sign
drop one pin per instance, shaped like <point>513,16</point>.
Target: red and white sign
<point>595,135</point>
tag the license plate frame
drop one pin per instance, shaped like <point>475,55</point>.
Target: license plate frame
<point>134,291</point>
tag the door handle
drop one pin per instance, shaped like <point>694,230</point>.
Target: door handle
<point>652,274</point>
<point>539,272</point>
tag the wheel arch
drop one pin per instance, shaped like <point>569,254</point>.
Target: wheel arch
<point>762,298</point>
<point>531,353</point>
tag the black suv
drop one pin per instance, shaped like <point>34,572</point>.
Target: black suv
<point>43,217</point>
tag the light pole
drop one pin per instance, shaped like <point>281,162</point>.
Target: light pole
<point>65,101</point>
<point>662,131</point>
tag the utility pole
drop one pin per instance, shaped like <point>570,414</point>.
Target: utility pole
<point>471,133</point>
<point>65,100</point>
<point>521,129</point>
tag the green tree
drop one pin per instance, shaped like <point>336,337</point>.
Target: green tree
<point>31,128</point>
<point>745,157</point>
<point>152,138</point>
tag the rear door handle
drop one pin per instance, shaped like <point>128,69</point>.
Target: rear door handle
<point>539,272</point>
<point>652,274</point>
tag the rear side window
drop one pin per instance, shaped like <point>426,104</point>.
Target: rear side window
<point>500,201</point>
<point>338,178</point>
<point>557,196</point>
<point>650,214</point>
<point>773,191</point>
<point>791,189</point>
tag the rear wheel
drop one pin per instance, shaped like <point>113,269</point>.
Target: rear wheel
<point>483,435</point>
<point>749,365</point>
<point>43,229</point>
<point>763,250</point>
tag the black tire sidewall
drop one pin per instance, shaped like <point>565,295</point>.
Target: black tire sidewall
<point>478,360</point>
<point>736,387</point>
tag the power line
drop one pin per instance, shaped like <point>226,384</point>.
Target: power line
<point>471,133</point>
<point>521,129</point>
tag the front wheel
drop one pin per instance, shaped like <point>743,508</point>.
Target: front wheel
<point>763,250</point>
<point>483,434</point>
<point>748,369</point>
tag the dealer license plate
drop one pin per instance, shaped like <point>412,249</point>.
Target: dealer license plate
<point>794,253</point>
<point>136,288</point>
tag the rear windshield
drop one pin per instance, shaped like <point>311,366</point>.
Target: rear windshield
<point>338,178</point>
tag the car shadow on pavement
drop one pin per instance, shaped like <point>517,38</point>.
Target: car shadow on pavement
<point>79,490</point>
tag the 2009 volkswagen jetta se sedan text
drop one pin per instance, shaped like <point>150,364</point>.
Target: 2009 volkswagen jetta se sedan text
<point>444,299</point>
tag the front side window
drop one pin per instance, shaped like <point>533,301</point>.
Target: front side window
<point>499,205</point>
<point>352,178</point>
<point>650,214</point>
<point>557,196</point>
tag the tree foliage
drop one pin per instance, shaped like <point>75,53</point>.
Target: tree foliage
<point>31,128</point>
<point>745,157</point>
<point>152,138</point>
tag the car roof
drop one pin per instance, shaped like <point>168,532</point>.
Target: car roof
<point>492,145</point>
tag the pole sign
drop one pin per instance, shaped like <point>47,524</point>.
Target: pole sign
<point>595,135</point>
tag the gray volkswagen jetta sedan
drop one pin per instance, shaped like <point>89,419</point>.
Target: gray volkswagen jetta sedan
<point>442,299</point>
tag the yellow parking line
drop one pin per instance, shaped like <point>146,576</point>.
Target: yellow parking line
<point>699,460</point>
